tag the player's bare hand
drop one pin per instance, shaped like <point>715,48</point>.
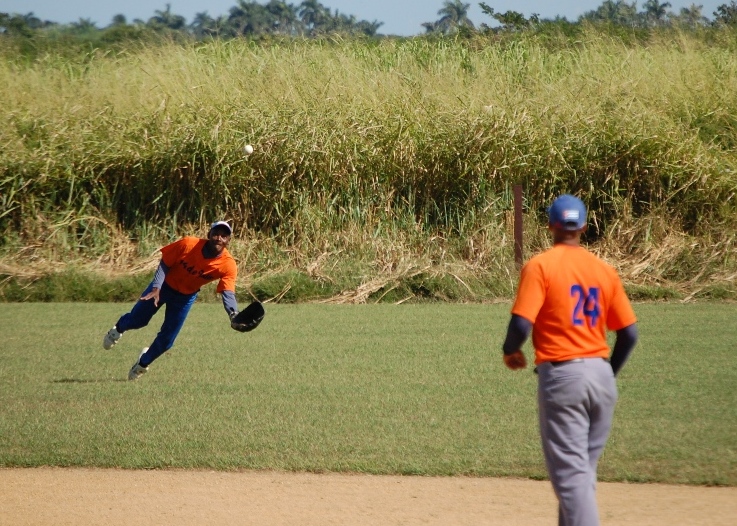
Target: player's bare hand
<point>153,295</point>
<point>515,361</point>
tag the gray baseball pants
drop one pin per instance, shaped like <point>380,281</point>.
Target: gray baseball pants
<point>576,402</point>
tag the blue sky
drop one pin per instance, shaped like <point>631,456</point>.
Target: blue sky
<point>400,17</point>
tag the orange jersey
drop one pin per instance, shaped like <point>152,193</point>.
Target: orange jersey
<point>189,270</point>
<point>571,297</point>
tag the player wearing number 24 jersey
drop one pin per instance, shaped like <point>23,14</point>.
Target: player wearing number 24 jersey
<point>569,298</point>
<point>572,298</point>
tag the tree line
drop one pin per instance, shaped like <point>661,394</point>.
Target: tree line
<point>246,18</point>
<point>311,18</point>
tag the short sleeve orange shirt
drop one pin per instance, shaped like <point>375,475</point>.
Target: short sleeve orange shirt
<point>572,298</point>
<point>189,270</point>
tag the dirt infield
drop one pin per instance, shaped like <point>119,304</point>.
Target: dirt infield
<point>54,496</point>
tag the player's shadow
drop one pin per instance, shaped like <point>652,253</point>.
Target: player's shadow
<point>90,381</point>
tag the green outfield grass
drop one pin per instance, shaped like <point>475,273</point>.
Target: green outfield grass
<point>410,389</point>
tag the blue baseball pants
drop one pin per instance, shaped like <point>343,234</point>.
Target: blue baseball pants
<point>177,308</point>
<point>576,402</point>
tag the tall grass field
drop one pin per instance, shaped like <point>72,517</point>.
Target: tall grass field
<point>379,165</point>
<point>385,389</point>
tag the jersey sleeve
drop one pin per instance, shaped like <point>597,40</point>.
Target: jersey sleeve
<point>531,292</point>
<point>229,302</point>
<point>228,279</point>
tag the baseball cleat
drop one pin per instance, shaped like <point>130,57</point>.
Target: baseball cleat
<point>138,370</point>
<point>111,338</point>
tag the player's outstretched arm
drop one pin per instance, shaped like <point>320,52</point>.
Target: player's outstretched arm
<point>517,332</point>
<point>623,345</point>
<point>156,284</point>
<point>229,303</point>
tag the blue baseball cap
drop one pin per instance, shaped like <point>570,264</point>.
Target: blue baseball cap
<point>567,213</point>
<point>222,224</point>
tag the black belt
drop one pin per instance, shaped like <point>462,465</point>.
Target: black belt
<point>556,364</point>
<point>574,360</point>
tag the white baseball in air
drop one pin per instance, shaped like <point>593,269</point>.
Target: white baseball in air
<point>248,149</point>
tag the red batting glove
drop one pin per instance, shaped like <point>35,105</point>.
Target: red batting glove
<point>515,361</point>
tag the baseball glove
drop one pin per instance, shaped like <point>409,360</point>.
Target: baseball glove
<point>249,318</point>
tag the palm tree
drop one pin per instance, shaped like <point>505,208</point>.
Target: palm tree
<point>249,18</point>
<point>8,21</point>
<point>203,25</point>
<point>655,12</point>
<point>338,23</point>
<point>692,16</point>
<point>614,12</point>
<point>32,21</point>
<point>167,19</point>
<point>454,14</point>
<point>119,20</point>
<point>313,15</point>
<point>726,14</point>
<point>431,27</point>
<point>367,28</point>
<point>15,24</point>
<point>21,24</point>
<point>83,25</point>
<point>286,19</point>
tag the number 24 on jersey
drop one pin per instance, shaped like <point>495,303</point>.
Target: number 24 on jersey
<point>587,305</point>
